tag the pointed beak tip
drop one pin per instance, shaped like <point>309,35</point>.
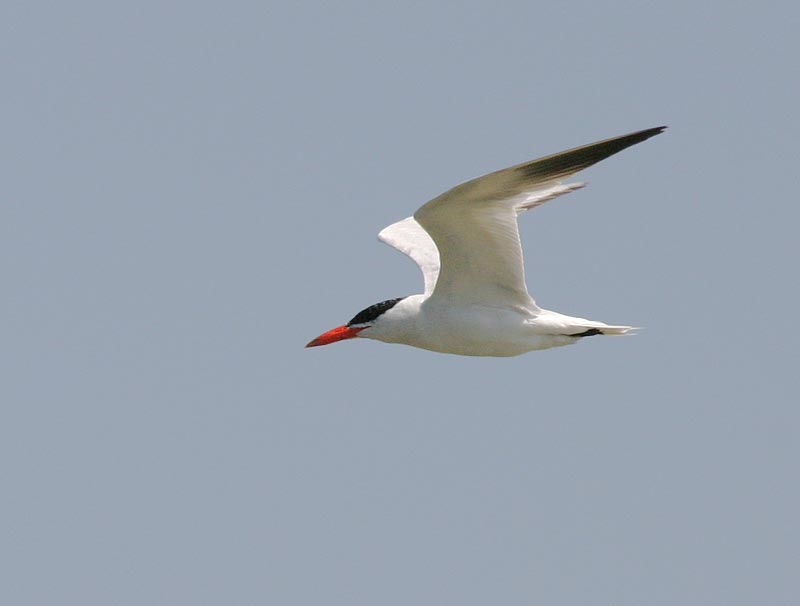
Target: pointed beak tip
<point>340,333</point>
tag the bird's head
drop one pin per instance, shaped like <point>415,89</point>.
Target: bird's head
<point>366,318</point>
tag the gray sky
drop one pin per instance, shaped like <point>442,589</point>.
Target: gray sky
<point>191,191</point>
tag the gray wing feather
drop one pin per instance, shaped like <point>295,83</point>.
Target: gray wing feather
<point>474,225</point>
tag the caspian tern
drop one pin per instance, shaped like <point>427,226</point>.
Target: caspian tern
<point>466,242</point>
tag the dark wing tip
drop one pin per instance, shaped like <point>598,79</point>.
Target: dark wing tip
<point>573,160</point>
<point>642,135</point>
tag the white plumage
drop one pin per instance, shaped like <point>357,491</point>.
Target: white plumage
<point>466,243</point>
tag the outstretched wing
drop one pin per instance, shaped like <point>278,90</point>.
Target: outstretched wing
<point>474,225</point>
<point>409,238</point>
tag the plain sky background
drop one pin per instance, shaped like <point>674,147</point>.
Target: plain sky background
<point>191,191</point>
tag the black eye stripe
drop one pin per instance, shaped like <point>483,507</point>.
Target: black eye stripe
<point>373,311</point>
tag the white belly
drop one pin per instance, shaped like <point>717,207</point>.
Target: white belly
<point>481,331</point>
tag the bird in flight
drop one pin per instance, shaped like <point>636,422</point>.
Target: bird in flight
<point>466,242</point>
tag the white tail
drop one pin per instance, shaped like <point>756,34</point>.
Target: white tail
<point>616,330</point>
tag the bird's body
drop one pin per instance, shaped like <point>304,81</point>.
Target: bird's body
<point>478,330</point>
<point>466,243</point>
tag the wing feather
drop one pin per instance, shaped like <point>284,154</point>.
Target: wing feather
<point>474,225</point>
<point>409,238</point>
